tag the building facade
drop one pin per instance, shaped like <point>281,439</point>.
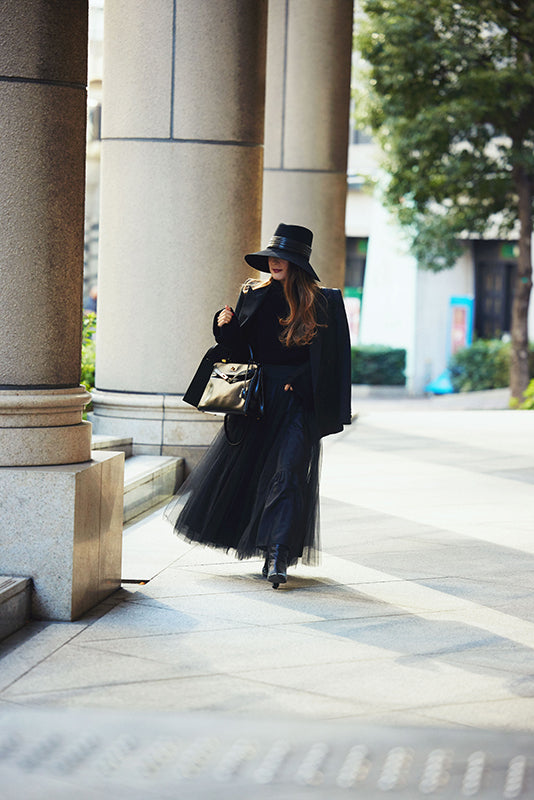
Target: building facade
<point>404,306</point>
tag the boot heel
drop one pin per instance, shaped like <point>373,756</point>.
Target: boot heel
<point>277,572</point>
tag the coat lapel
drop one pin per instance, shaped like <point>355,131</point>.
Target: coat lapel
<point>251,301</point>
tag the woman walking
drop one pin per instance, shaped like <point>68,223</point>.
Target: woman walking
<point>261,496</point>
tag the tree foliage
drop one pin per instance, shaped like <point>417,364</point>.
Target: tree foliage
<point>451,101</point>
<point>88,351</point>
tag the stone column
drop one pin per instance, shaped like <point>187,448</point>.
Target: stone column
<point>51,515</point>
<point>309,46</point>
<point>182,161</point>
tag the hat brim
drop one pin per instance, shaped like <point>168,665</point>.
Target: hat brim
<point>260,260</point>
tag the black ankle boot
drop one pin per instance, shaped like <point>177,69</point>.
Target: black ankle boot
<point>265,570</point>
<point>277,572</point>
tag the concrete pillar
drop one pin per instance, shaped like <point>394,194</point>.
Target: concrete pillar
<point>42,168</point>
<point>43,64</point>
<point>309,46</point>
<point>182,160</point>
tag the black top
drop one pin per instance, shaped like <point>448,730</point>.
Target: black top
<point>262,332</point>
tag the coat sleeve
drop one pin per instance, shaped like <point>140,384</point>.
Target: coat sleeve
<point>202,375</point>
<point>228,335</point>
<point>344,361</point>
<point>332,388</point>
<point>231,336</point>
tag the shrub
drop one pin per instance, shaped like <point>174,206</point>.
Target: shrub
<point>88,352</point>
<point>483,365</point>
<point>378,365</point>
<point>528,402</point>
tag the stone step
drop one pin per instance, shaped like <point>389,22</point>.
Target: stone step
<point>15,604</point>
<point>122,444</point>
<point>149,481</point>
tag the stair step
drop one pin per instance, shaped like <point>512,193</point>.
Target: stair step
<point>117,443</point>
<point>149,481</point>
<point>15,604</point>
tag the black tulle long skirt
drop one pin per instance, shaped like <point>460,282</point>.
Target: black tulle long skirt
<point>262,492</point>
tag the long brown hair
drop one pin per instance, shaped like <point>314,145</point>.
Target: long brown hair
<point>302,293</point>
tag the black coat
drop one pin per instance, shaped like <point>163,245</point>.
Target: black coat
<point>329,359</point>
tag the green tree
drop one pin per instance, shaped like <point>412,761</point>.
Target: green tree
<point>451,100</point>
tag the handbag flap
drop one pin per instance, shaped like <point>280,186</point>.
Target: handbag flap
<point>233,372</point>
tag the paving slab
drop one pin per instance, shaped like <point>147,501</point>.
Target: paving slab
<point>420,614</point>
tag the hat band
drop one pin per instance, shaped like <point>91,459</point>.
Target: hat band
<point>282,243</point>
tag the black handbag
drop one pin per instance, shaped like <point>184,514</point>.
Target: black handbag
<point>234,389</point>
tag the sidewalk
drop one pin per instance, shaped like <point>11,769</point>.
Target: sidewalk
<point>419,617</point>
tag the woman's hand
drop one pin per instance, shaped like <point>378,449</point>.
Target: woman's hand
<point>225,316</point>
<point>288,388</point>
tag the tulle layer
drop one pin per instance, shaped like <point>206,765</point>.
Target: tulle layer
<point>264,491</point>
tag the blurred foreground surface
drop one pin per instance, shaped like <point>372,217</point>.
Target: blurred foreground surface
<point>119,755</point>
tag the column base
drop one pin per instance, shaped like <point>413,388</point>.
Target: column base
<point>62,526</point>
<point>44,427</point>
<point>32,447</point>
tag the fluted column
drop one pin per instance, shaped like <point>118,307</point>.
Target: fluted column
<point>60,511</point>
<point>182,160</point>
<point>42,172</point>
<point>309,47</point>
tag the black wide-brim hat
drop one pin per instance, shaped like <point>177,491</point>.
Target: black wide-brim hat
<point>290,242</point>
